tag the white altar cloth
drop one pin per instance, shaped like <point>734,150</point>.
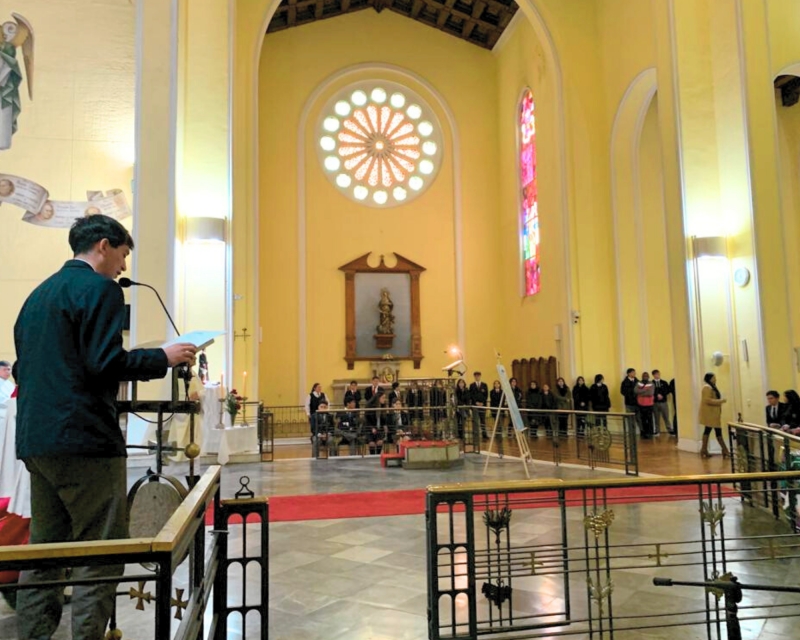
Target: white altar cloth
<point>15,481</point>
<point>236,440</point>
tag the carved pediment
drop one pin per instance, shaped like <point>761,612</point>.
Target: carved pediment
<point>361,265</point>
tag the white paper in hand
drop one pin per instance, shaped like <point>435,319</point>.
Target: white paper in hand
<point>200,339</point>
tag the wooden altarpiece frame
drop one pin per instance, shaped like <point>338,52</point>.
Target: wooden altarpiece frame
<point>403,266</point>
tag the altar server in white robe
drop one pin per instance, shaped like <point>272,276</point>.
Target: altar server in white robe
<point>6,387</point>
<point>14,478</point>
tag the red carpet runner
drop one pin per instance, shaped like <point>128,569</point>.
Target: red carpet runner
<point>371,504</point>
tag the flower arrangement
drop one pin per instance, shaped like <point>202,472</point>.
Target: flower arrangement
<point>233,403</point>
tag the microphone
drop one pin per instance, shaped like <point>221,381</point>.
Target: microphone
<point>126,283</point>
<point>183,370</point>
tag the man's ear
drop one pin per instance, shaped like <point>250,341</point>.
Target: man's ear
<point>103,246</point>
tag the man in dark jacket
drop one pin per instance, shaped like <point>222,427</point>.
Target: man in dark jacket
<point>628,391</point>
<point>70,361</point>
<point>479,396</point>
<point>775,408</point>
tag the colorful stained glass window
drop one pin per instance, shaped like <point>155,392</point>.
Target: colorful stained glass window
<point>379,143</point>
<point>529,196</point>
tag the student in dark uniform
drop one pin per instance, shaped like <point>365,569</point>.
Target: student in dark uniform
<point>463,402</point>
<point>581,399</point>
<point>600,399</point>
<point>348,427</point>
<point>394,394</point>
<point>377,424</point>
<point>495,399</point>
<point>479,394</point>
<point>438,402</point>
<point>414,401</point>
<point>548,404</point>
<point>353,394</point>
<point>533,400</point>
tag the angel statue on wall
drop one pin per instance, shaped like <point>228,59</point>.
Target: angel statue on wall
<point>385,307</point>
<point>16,35</point>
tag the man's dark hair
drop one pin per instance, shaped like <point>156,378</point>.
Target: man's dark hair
<point>353,382</point>
<point>5,363</point>
<point>395,385</point>
<point>655,371</point>
<point>630,371</point>
<point>87,232</point>
<point>771,392</point>
<point>375,378</point>
<point>477,373</point>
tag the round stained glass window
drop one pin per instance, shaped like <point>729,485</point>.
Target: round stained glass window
<point>379,143</point>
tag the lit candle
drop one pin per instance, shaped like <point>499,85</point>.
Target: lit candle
<point>222,386</point>
<point>244,384</point>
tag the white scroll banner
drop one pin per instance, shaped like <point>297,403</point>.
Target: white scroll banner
<point>60,214</point>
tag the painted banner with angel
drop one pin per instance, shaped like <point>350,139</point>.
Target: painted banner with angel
<point>15,35</point>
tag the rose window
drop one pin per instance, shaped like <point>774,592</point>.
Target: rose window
<point>379,143</point>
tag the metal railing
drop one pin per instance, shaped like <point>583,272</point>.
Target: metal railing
<point>580,437</point>
<point>545,559</point>
<point>755,448</point>
<point>184,562</point>
<point>589,438</point>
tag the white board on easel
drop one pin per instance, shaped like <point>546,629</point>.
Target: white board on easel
<point>516,420</point>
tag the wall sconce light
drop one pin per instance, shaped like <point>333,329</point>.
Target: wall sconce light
<point>204,229</point>
<point>717,358</point>
<point>710,247</point>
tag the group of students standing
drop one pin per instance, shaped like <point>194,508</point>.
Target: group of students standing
<point>561,398</point>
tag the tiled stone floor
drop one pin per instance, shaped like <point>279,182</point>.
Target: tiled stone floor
<point>365,578</point>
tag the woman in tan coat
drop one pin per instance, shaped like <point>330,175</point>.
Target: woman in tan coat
<point>711,402</point>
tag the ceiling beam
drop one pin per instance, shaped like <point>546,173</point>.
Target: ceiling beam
<point>444,11</point>
<point>416,8</point>
<point>477,10</point>
<point>291,16</point>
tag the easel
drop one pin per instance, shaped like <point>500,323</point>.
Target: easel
<point>516,422</point>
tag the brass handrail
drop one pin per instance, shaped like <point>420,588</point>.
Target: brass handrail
<point>165,541</point>
<point>749,426</point>
<point>516,486</point>
<point>582,412</point>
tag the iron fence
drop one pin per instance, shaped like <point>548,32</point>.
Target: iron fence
<point>545,559</point>
<point>588,438</point>
<point>184,563</point>
<point>756,448</point>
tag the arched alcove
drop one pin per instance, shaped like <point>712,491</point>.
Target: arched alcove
<point>250,24</point>
<point>328,229</point>
<point>787,121</point>
<point>629,223</point>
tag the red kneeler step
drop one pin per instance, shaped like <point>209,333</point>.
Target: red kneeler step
<point>392,459</point>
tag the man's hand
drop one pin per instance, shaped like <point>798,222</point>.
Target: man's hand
<point>181,353</point>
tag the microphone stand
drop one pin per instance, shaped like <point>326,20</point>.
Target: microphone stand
<point>161,407</point>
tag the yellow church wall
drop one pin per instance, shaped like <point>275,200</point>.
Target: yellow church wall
<point>77,133</point>
<point>529,322</point>
<point>780,369</point>
<point>783,24</point>
<point>339,230</point>
<point>788,120</point>
<point>586,270</point>
<point>654,268</point>
<point>202,172</point>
